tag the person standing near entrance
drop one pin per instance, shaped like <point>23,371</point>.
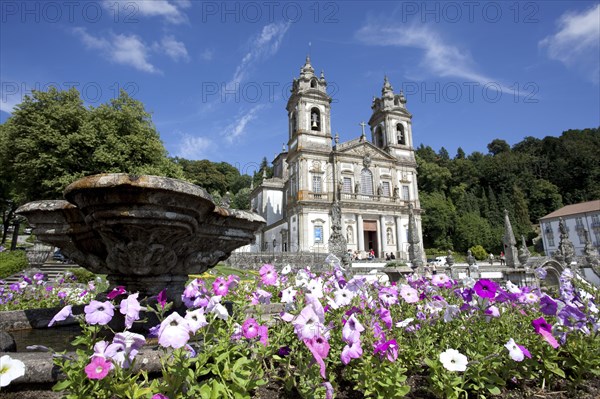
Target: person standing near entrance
<point>371,254</point>
<point>491,258</point>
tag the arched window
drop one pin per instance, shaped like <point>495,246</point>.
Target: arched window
<point>366,182</point>
<point>400,134</point>
<point>315,119</point>
<point>379,137</point>
<point>313,83</point>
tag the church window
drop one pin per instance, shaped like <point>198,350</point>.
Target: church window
<point>315,119</point>
<point>401,137</point>
<point>317,184</point>
<point>313,83</point>
<point>347,188</point>
<point>550,241</point>
<point>318,234</point>
<point>366,182</point>
<point>379,137</point>
<point>386,188</point>
<point>405,193</point>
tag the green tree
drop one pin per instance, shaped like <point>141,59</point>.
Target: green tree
<point>437,221</point>
<point>53,140</point>
<point>498,146</point>
<point>241,200</point>
<point>470,230</point>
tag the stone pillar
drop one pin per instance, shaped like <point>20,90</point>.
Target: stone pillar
<point>383,236</point>
<point>399,236</point>
<point>360,233</point>
<point>380,243</point>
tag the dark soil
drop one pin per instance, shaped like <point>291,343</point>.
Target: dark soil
<point>589,389</point>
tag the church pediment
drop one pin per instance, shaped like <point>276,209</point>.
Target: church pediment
<point>363,149</point>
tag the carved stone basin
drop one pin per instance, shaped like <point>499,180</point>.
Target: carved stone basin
<point>144,232</point>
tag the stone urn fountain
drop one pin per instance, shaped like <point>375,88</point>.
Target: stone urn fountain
<point>146,233</point>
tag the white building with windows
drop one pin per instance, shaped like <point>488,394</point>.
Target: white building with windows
<point>374,179</point>
<point>578,218</point>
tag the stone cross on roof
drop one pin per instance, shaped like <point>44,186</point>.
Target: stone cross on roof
<point>363,124</point>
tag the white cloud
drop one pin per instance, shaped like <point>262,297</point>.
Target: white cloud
<point>262,46</point>
<point>174,49</point>
<point>238,126</point>
<point>169,10</point>
<point>192,147</point>
<point>577,43</point>
<point>120,49</point>
<point>440,58</point>
<point>207,55</point>
<point>9,101</point>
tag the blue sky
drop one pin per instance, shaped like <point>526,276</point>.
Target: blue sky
<point>216,75</point>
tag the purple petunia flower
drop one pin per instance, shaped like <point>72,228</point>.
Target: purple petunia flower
<point>196,320</point>
<point>174,331</point>
<point>548,306</point>
<point>352,329</point>
<point>308,324</point>
<point>99,312</point>
<point>116,292</point>
<point>388,295</point>
<point>388,349</point>
<point>130,307</point>
<point>159,396</point>
<point>64,313</point>
<point>542,327</point>
<point>351,351</point>
<point>161,298</point>
<point>263,334</point>
<point>409,294</point>
<point>319,347</point>
<point>485,288</point>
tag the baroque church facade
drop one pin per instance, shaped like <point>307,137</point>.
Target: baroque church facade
<point>374,180</point>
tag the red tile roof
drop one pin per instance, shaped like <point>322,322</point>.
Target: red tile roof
<point>583,207</point>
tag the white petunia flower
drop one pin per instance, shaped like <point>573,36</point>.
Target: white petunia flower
<point>10,369</point>
<point>453,360</point>
<point>514,351</point>
<point>286,269</point>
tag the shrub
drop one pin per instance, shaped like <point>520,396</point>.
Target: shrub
<point>82,275</point>
<point>12,262</point>
<point>478,252</point>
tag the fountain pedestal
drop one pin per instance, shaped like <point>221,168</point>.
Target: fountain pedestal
<point>146,233</point>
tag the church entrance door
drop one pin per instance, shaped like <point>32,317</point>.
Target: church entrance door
<point>371,236</point>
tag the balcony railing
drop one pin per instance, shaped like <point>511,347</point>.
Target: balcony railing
<point>372,198</point>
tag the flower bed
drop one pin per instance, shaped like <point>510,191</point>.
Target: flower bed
<point>337,337</point>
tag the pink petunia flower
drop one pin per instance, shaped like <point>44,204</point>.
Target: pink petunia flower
<point>250,328</point>
<point>409,294</point>
<point>389,349</point>
<point>98,368</point>
<point>220,286</point>
<point>319,347</point>
<point>268,275</point>
<point>542,327</point>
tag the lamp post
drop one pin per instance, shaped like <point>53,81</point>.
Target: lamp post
<point>274,244</point>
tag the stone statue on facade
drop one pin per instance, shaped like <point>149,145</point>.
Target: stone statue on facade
<point>566,251</point>
<point>591,254</point>
<point>357,188</point>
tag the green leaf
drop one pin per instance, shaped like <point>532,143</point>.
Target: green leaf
<point>494,390</point>
<point>61,385</point>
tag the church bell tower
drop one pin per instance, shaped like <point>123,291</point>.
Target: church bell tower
<point>309,111</point>
<point>390,123</point>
